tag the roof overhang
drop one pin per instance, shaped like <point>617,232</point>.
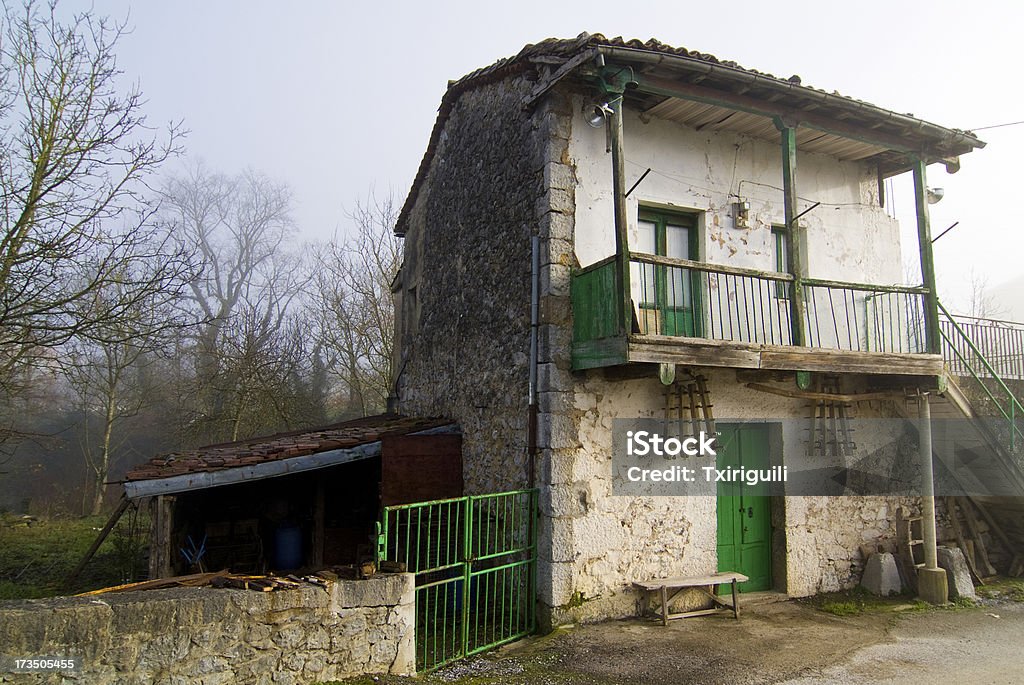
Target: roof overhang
<point>714,96</point>
<point>706,93</point>
<point>201,480</point>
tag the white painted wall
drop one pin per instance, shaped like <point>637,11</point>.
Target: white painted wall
<point>849,237</point>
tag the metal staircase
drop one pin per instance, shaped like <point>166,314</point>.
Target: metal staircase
<point>972,388</point>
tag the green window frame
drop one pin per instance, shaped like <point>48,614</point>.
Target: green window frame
<point>668,299</point>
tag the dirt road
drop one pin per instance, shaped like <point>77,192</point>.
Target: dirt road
<point>780,642</point>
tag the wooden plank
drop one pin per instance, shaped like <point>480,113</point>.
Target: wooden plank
<point>958,533</point>
<point>972,524</point>
<point>994,526</point>
<point>691,581</point>
<point>111,522</point>
<point>594,354</point>
<point>709,267</point>
<point>828,397</point>
<point>838,361</point>
<point>419,468</point>
<point>692,352</point>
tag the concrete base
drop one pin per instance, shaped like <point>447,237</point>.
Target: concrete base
<point>931,585</point>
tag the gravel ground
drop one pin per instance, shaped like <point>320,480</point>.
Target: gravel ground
<point>777,642</point>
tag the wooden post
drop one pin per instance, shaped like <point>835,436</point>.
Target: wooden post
<point>161,555</point>
<point>797,307</point>
<point>933,340</point>
<point>318,524</point>
<point>111,522</point>
<point>621,219</point>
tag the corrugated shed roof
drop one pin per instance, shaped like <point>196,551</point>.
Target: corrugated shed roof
<point>553,49</point>
<point>282,446</point>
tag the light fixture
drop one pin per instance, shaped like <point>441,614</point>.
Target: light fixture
<point>935,194</point>
<point>598,113</point>
<point>741,213</point>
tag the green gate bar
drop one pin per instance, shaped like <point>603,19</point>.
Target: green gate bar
<point>475,562</point>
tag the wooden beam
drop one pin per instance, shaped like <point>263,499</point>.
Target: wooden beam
<point>160,553</point>
<point>839,361</point>
<point>319,512</point>
<point>656,349</point>
<point>933,340</point>
<point>824,396</point>
<point>621,219</point>
<point>793,234</point>
<point>804,114</point>
<point>111,522</point>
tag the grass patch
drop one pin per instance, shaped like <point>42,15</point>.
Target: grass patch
<point>35,559</point>
<point>859,601</point>
<point>1006,589</point>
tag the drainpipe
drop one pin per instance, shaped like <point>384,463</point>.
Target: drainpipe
<point>531,439</point>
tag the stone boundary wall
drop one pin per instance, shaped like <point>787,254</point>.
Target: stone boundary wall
<point>207,636</point>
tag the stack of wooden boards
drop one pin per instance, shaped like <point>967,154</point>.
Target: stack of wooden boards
<point>259,583</point>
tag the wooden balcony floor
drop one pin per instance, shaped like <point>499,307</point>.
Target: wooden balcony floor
<point>739,355</point>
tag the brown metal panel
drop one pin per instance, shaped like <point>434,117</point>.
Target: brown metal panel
<point>419,468</point>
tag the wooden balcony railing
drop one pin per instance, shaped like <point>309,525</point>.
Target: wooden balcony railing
<point>678,297</point>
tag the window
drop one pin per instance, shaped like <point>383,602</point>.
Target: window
<point>780,262</point>
<point>665,294</point>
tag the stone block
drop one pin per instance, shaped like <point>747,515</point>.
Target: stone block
<point>881,576</point>
<point>958,575</point>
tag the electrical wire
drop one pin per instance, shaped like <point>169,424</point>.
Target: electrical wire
<point>983,128</point>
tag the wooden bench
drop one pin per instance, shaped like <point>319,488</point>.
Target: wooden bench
<point>705,584</point>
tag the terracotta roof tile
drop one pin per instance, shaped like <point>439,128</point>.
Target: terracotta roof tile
<point>281,446</point>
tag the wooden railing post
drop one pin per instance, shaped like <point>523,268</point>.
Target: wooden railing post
<point>933,339</point>
<point>797,307</point>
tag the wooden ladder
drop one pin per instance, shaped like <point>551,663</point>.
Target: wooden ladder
<point>688,406</point>
<point>830,432</point>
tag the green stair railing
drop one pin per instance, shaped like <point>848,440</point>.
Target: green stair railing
<point>985,378</point>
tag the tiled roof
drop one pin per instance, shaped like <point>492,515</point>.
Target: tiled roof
<point>782,89</point>
<point>281,446</point>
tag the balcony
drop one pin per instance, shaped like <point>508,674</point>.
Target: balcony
<point>693,313</point>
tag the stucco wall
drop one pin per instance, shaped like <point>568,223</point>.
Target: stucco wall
<point>205,636</point>
<point>849,237</point>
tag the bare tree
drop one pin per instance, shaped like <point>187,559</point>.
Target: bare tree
<point>352,306</point>
<point>75,153</point>
<point>248,277</point>
<point>980,302</point>
<point>106,374</point>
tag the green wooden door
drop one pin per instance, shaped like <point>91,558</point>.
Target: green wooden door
<point>744,512</point>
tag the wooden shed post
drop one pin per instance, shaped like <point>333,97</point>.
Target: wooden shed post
<point>161,555</point>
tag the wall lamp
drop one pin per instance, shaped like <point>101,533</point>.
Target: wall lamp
<point>599,111</point>
<point>935,194</point>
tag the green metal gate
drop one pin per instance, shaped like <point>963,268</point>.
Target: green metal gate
<point>475,561</point>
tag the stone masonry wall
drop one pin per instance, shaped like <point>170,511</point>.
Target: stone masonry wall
<point>206,636</point>
<point>596,544</point>
<point>466,281</point>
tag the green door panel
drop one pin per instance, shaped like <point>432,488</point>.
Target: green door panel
<point>744,513</point>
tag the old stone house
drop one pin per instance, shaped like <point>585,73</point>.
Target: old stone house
<point>693,234</point>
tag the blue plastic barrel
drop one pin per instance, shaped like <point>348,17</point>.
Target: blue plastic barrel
<point>288,546</point>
